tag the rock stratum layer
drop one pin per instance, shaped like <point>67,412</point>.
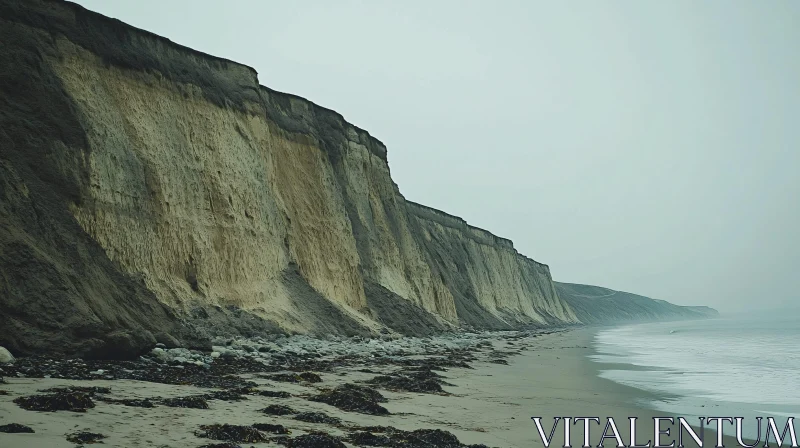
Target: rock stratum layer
<point>152,192</point>
<point>598,305</point>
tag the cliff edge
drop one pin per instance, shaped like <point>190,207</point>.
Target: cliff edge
<point>151,192</point>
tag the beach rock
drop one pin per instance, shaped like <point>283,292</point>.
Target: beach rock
<point>229,354</point>
<point>123,345</point>
<point>166,340</point>
<point>5,356</point>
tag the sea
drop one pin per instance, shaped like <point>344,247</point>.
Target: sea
<point>732,366</point>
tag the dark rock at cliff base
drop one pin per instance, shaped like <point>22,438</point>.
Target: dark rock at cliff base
<point>354,398</point>
<point>59,401</point>
<point>231,433</point>
<point>167,340</point>
<point>16,428</point>
<point>221,445</point>
<point>218,376</point>
<point>123,345</point>
<point>85,437</point>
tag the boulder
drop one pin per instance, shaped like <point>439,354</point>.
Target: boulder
<point>123,345</point>
<point>167,340</point>
<point>5,356</point>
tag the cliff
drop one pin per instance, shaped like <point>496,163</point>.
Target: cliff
<point>596,305</point>
<point>153,192</point>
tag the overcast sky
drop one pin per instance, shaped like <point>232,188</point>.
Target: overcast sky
<point>646,146</point>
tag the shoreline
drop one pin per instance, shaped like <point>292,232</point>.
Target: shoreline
<point>548,374</point>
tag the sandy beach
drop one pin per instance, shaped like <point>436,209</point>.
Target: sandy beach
<point>490,403</point>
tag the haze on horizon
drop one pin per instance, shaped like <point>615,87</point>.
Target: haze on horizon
<point>649,147</point>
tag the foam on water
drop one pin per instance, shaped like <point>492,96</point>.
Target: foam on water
<point>721,367</point>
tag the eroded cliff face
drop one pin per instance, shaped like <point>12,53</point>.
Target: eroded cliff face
<point>599,305</point>
<point>227,206</point>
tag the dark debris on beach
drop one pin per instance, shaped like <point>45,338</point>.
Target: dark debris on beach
<point>317,417</point>
<point>396,372</point>
<point>314,440</point>
<point>422,380</point>
<point>278,409</point>
<point>16,428</point>
<point>390,437</point>
<point>192,402</point>
<point>271,428</point>
<point>74,401</point>
<point>231,433</point>
<point>85,437</point>
<point>353,398</point>
<point>145,403</point>
<point>221,445</point>
<point>222,374</point>
<point>274,394</point>
<point>308,377</point>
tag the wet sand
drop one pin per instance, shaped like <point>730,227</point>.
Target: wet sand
<point>491,404</point>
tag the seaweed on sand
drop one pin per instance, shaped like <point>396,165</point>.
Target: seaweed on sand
<point>231,433</point>
<point>58,401</point>
<point>353,398</point>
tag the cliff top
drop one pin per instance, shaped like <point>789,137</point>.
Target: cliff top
<point>223,81</point>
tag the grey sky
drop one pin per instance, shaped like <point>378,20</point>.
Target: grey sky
<point>646,146</point>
